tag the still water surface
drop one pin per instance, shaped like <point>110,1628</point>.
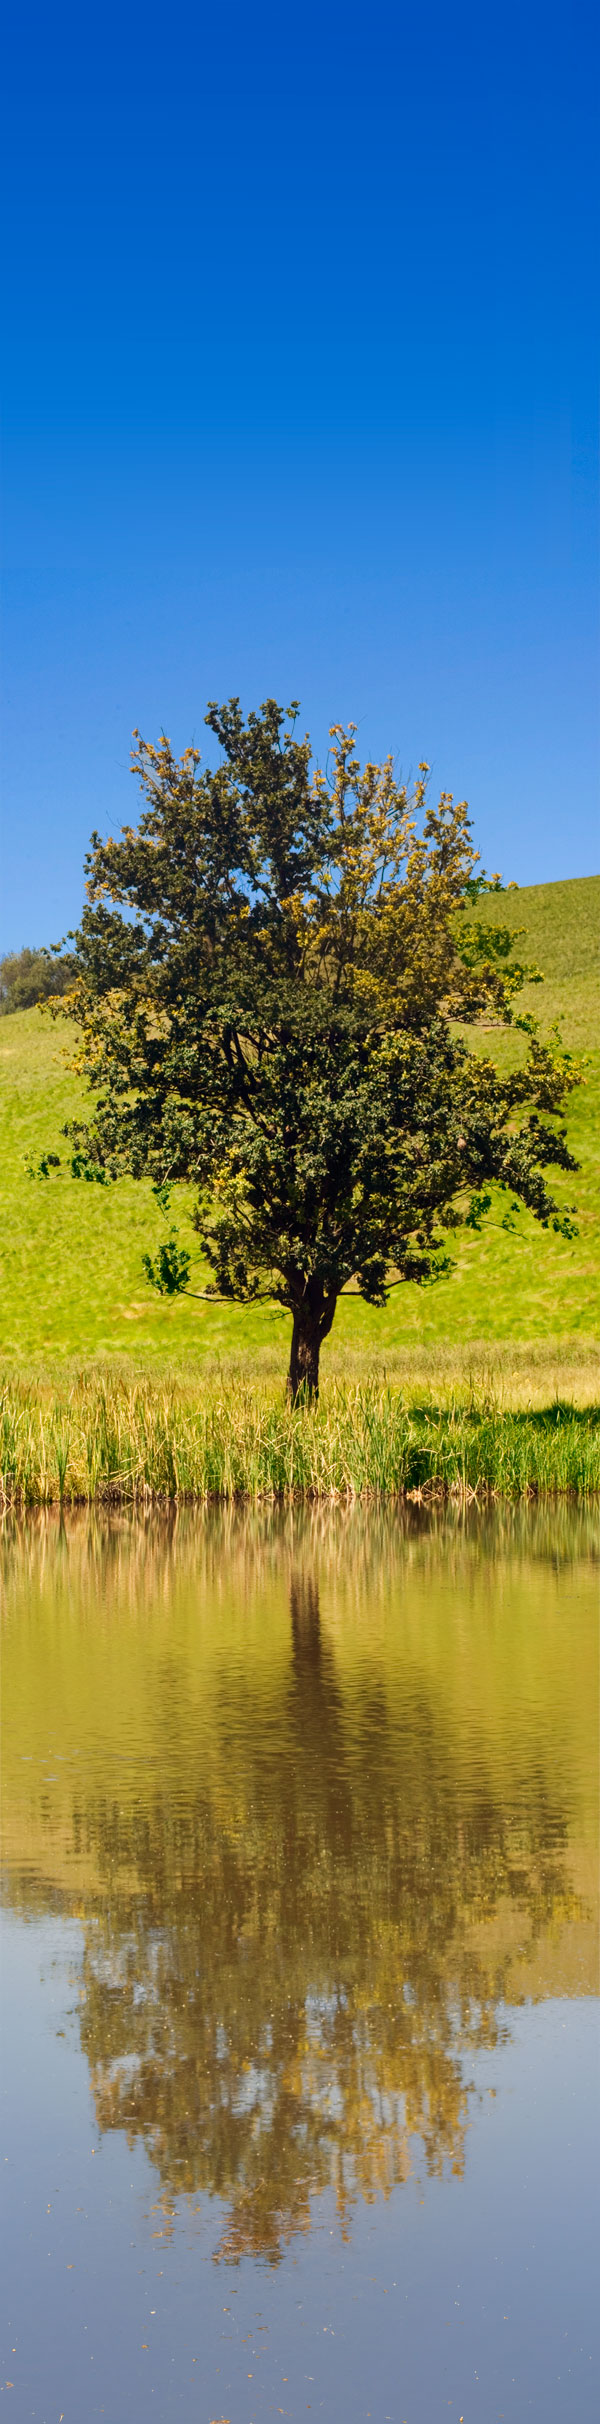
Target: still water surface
<point>300,2095</point>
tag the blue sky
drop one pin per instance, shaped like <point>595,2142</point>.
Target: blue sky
<point>300,397</point>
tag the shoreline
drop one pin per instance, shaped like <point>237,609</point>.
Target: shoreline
<point>112,1441</point>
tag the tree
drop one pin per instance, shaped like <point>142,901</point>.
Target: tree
<point>28,977</point>
<point>272,970</point>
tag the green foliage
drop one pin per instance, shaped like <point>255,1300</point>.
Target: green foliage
<point>481,883</point>
<point>487,951</point>
<point>84,1165</point>
<point>41,1168</point>
<point>169,1269</point>
<point>273,1018</point>
<point>80,1165</point>
<point>480,1204</point>
<point>27,977</point>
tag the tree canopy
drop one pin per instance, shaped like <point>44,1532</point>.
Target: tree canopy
<point>273,972</point>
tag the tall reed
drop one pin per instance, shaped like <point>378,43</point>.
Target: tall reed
<point>103,1440</point>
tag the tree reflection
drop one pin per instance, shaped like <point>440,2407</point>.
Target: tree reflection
<point>286,1970</point>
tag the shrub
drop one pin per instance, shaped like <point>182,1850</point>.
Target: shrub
<point>27,977</point>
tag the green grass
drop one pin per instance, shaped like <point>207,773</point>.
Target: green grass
<point>72,1289</point>
<point>106,1442</point>
<point>561,934</point>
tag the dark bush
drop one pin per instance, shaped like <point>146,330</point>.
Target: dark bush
<point>28,976</point>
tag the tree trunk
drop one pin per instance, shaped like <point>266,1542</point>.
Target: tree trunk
<point>303,1375</point>
<point>312,1320</point>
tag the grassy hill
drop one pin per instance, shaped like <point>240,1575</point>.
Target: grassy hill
<point>561,932</point>
<point>71,1279</point>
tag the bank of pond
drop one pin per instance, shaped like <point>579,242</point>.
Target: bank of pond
<point>103,1439</point>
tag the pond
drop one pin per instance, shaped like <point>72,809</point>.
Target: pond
<point>300,1863</point>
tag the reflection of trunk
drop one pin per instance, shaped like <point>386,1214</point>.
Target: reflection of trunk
<point>312,1321</point>
<point>320,1786</point>
<point>306,1623</point>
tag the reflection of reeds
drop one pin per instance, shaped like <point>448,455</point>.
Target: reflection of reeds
<point>105,1440</point>
<point>360,1547</point>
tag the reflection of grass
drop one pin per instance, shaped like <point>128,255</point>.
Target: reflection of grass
<point>105,1440</point>
<point>71,1280</point>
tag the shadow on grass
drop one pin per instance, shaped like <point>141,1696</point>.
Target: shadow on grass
<point>537,1418</point>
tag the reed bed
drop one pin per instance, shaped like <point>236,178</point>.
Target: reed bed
<point>102,1441</point>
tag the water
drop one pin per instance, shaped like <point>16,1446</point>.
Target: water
<point>300,2109</point>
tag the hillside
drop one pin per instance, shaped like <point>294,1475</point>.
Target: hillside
<point>561,934</point>
<point>71,1280</point>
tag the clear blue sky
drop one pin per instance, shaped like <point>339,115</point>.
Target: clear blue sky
<point>300,317</point>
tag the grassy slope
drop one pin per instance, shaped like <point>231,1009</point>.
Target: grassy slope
<point>71,1282</point>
